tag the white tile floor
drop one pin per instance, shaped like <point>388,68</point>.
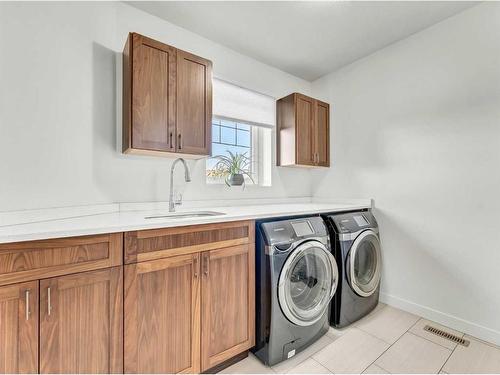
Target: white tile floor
<point>386,341</point>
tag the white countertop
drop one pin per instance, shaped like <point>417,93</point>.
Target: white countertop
<point>123,221</point>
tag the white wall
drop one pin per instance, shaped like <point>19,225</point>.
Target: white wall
<point>416,126</point>
<point>59,122</point>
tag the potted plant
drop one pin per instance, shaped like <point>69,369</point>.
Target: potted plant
<point>234,168</point>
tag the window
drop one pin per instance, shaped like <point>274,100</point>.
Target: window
<point>238,138</point>
<point>242,125</point>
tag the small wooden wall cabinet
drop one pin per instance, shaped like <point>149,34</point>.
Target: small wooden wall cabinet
<point>303,131</point>
<point>167,100</point>
<point>184,301</point>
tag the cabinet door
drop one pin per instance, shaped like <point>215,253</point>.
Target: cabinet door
<point>227,303</point>
<point>322,133</point>
<point>19,328</point>
<point>81,323</point>
<point>194,104</point>
<point>153,94</point>
<point>162,314</point>
<point>304,137</point>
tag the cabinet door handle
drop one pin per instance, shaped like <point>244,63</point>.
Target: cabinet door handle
<point>195,266</point>
<point>206,264</point>
<point>171,140</point>
<point>27,296</point>
<point>180,141</point>
<point>49,304</point>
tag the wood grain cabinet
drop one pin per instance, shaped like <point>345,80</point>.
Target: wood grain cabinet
<point>183,303</point>
<point>189,302</point>
<point>167,100</point>
<point>55,318</point>
<point>81,323</point>
<point>19,328</point>
<point>303,131</point>
<point>34,260</point>
<point>227,304</point>
<point>162,307</point>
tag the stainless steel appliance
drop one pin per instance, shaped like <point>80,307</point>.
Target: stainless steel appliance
<point>356,247</point>
<point>296,276</point>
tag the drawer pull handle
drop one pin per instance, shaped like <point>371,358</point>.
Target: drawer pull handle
<point>28,312</point>
<point>195,266</point>
<point>49,304</point>
<point>206,265</point>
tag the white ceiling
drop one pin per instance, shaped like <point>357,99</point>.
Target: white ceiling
<point>307,38</point>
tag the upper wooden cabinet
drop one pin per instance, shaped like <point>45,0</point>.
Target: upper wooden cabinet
<point>167,100</point>
<point>303,131</point>
<point>194,104</point>
<point>322,133</point>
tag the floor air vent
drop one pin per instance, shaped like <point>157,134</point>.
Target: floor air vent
<point>446,335</point>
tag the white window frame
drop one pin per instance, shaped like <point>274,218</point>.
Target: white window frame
<point>255,149</point>
<point>241,105</point>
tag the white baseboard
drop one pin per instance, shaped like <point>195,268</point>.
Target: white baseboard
<point>472,329</point>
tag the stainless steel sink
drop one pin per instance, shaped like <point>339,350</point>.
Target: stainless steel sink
<point>185,214</point>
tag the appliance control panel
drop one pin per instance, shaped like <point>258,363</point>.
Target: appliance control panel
<point>290,230</point>
<point>354,221</point>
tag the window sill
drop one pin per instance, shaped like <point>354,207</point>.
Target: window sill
<point>221,182</point>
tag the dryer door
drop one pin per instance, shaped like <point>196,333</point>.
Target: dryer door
<point>307,283</point>
<point>365,263</point>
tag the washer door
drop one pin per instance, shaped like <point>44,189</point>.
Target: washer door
<point>307,283</point>
<point>365,263</point>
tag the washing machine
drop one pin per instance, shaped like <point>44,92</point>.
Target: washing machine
<point>296,278</point>
<point>356,247</point>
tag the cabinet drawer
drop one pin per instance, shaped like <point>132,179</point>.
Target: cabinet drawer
<point>24,261</point>
<point>160,243</point>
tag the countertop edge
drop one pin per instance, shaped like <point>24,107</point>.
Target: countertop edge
<point>111,228</point>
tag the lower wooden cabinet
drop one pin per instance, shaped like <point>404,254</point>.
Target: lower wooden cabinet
<point>19,328</point>
<point>66,324</point>
<point>162,308</point>
<point>227,303</point>
<point>164,325</point>
<point>184,303</point>
<point>81,323</point>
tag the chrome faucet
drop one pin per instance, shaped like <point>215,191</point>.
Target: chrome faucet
<point>187,177</point>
